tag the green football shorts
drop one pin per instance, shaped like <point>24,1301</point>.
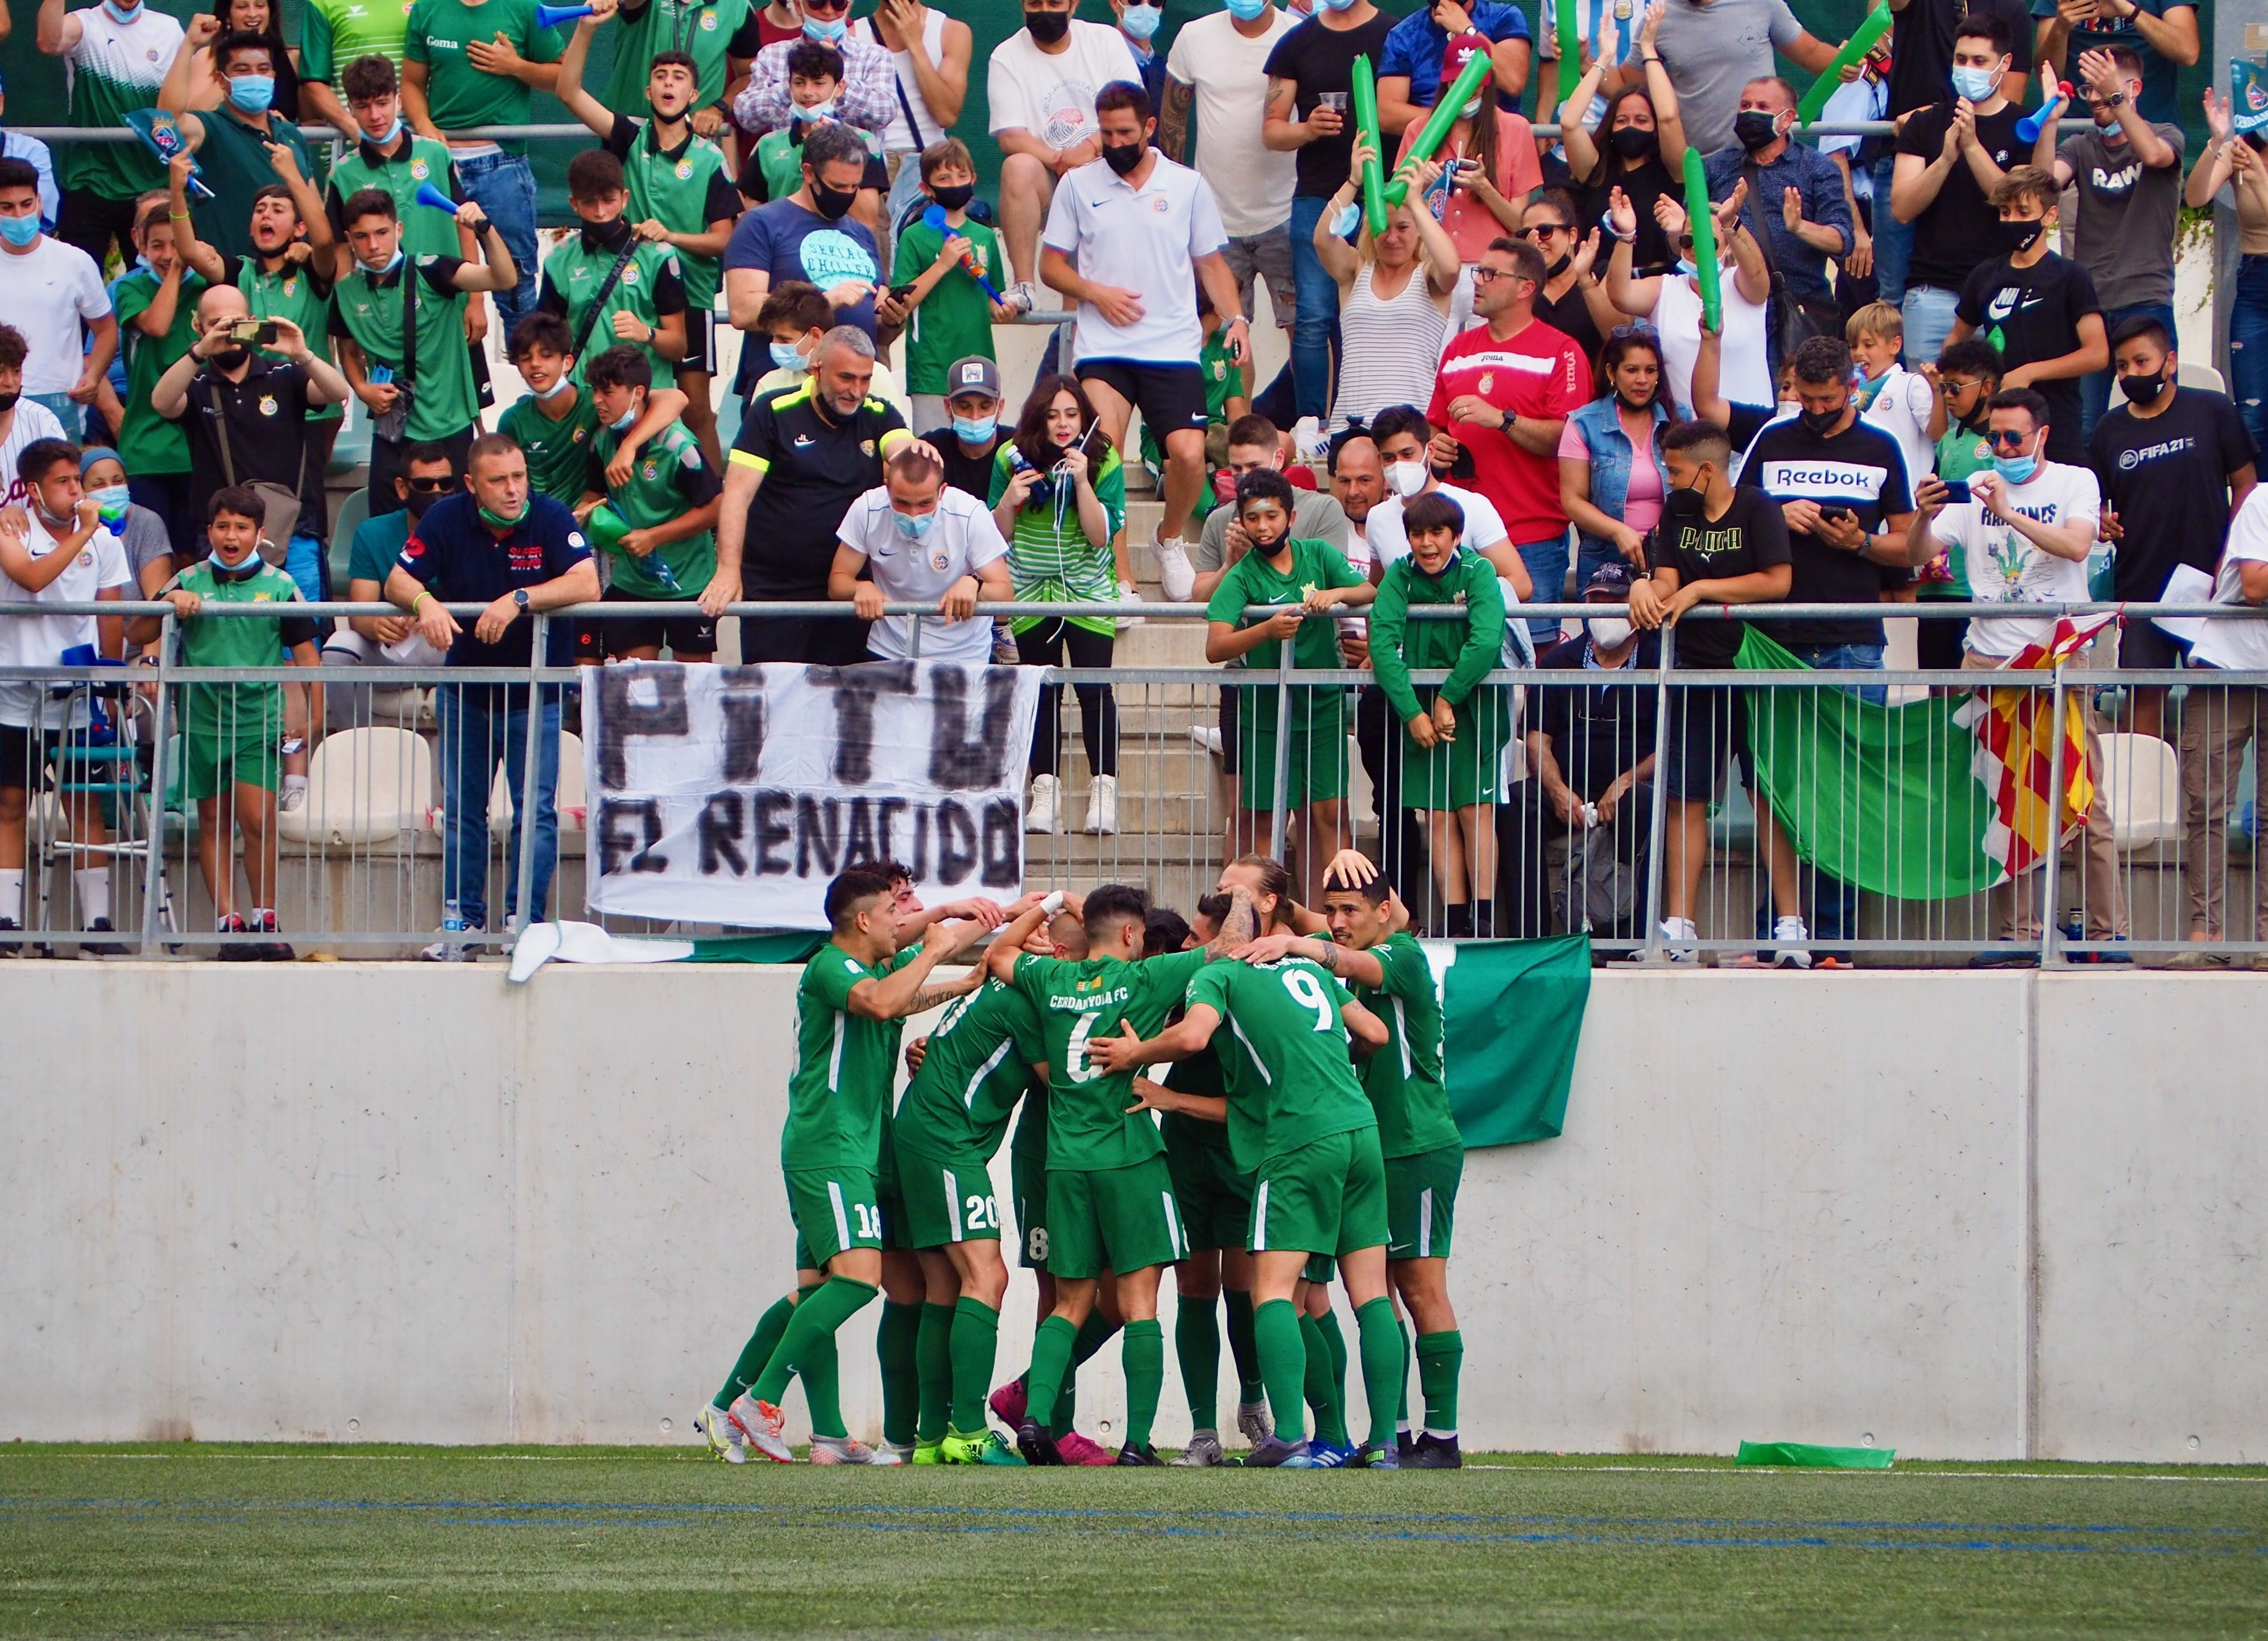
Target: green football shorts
<point>890,1198</point>
<point>1328,1197</point>
<point>1118,1219</point>
<point>947,1200</point>
<point>1465,771</point>
<point>216,754</point>
<point>1315,759</point>
<point>835,1210</point>
<point>1214,1199</point>
<point>1421,1202</point>
<point>1028,1181</point>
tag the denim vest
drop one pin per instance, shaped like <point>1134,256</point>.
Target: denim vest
<point>1602,427</point>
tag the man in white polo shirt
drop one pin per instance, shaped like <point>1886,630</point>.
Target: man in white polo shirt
<point>1122,235</point>
<point>921,541</point>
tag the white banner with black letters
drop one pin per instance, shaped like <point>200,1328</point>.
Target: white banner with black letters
<point>733,794</point>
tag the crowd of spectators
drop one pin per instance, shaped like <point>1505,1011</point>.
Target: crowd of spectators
<point>1909,393</point>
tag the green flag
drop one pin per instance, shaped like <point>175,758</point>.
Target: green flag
<point>1512,1011</point>
<point>1879,796</point>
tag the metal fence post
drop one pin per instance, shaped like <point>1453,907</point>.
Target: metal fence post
<point>1657,821</point>
<point>2051,872</point>
<point>524,889</point>
<point>1276,818</point>
<point>153,869</point>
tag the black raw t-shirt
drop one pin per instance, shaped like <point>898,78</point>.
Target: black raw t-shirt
<point>1921,48</point>
<point>1958,230</point>
<point>814,469</point>
<point>1600,721</point>
<point>1319,60</point>
<point>1750,537</point>
<point>1860,468</point>
<point>266,415</point>
<point>2169,479</point>
<point>2030,314</point>
<point>963,472</point>
<point>1650,253</point>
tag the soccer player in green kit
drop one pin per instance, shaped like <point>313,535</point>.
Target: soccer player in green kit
<point>1110,1197</point>
<point>1424,1154</point>
<point>1298,1116</point>
<point>854,993</point>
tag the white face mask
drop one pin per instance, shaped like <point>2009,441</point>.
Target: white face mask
<point>1407,478</point>
<point>1608,631</point>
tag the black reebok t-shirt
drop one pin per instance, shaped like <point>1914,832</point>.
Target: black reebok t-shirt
<point>1752,536</point>
<point>1958,230</point>
<point>2169,478</point>
<point>1860,468</point>
<point>1319,60</point>
<point>2030,314</point>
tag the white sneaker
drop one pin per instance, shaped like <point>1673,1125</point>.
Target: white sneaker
<point>1040,803</point>
<point>1308,437</point>
<point>891,1454</point>
<point>1129,594</point>
<point>293,797</point>
<point>725,1439</point>
<point>1207,737</point>
<point>1203,1452</point>
<point>1177,578</point>
<point>1252,1423</point>
<point>453,947</point>
<point>1675,929</point>
<point>1022,296</point>
<point>1788,935</point>
<point>845,1450</point>
<point>762,1427</point>
<point>1101,806</point>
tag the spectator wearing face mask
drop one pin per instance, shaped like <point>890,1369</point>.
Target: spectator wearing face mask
<point>920,540</point>
<point>1713,47</point>
<point>1966,376</point>
<point>1795,207</point>
<point>2039,308</point>
<point>869,96</point>
<point>1636,146</point>
<point>426,474</point>
<point>241,143</point>
<point>2234,161</point>
<point>794,316</point>
<point>115,57</point>
<point>810,236</point>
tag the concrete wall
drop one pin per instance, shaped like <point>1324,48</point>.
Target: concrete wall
<point>1978,1216</point>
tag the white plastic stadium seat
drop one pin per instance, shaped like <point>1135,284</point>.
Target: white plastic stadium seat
<point>2142,784</point>
<point>363,786</point>
<point>502,800</point>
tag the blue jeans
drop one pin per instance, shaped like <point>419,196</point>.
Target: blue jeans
<point>1316,317</point>
<point>1928,313</point>
<point>480,724</point>
<point>1831,905</point>
<point>504,186</point>
<point>2094,388</point>
<point>2248,346</point>
<point>1893,247</point>
<point>1546,569</point>
<point>303,561</point>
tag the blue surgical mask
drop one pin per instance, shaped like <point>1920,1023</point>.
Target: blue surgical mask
<point>1688,267</point>
<point>1337,5</point>
<point>556,389</point>
<point>392,131</point>
<point>237,571</point>
<point>111,502</point>
<point>251,94</point>
<point>1347,221</point>
<point>1245,10</point>
<point>1141,21</point>
<point>380,273</point>
<point>814,114</point>
<point>19,230</point>
<point>2016,469</point>
<point>122,14</point>
<point>972,430</point>
<point>623,423</point>
<point>913,526</point>
<point>787,356</point>
<point>827,32</point>
<point>1975,85</point>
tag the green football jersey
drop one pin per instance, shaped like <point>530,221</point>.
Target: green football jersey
<point>670,479</point>
<point>335,31</point>
<point>1252,579</point>
<point>838,1097</point>
<point>679,188</point>
<point>368,311</point>
<point>230,709</point>
<point>558,452</point>
<point>700,28</point>
<point>290,292</point>
<point>426,232</point>
<point>1403,1079</point>
<point>1088,1124</point>
<point>1291,1079</point>
<point>148,444</point>
<point>460,95</point>
<point>979,1065</point>
<point>116,68</point>
<point>954,322</point>
<point>1199,1074</point>
<point>573,276</point>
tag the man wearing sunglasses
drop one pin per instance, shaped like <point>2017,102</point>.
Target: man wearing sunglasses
<point>427,474</point>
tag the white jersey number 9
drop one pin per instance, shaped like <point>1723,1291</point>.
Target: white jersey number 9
<point>1309,995</point>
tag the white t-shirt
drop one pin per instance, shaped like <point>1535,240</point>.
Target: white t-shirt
<point>1901,407</point>
<point>44,293</point>
<point>2005,568</point>
<point>1140,239</point>
<point>33,421</point>
<point>2238,645</point>
<point>1252,185</point>
<point>1745,376</point>
<point>963,539</point>
<point>1053,97</point>
<point>42,640</point>
<point>898,138</point>
<point>1385,540</point>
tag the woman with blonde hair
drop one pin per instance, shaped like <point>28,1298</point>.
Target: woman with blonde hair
<point>1393,297</point>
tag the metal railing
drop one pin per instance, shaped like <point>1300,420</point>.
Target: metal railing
<point>403,754</point>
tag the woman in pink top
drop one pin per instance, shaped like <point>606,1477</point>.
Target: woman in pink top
<point>1610,470</point>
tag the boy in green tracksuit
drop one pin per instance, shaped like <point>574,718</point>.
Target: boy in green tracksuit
<point>1304,579</point>
<point>231,733</point>
<point>394,159</point>
<point>1455,732</point>
<point>554,422</point>
<point>606,282</point>
<point>155,307</point>
<point>951,317</point>
<point>660,521</point>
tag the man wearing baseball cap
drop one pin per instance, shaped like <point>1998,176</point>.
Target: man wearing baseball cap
<point>973,431</point>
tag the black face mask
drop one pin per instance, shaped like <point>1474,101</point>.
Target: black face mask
<point>1821,421</point>
<point>832,203</point>
<point>607,236</point>
<point>1552,270</point>
<point>2143,390</point>
<point>1753,128</point>
<point>2020,236</point>
<point>1123,158</point>
<point>1633,142</point>
<point>229,359</point>
<point>418,500</point>
<point>8,402</point>
<point>954,198</point>
<point>1048,27</point>
<point>1686,503</point>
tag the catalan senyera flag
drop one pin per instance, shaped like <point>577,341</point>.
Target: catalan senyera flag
<point>2015,750</point>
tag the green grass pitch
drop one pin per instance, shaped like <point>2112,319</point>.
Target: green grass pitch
<point>400,1542</point>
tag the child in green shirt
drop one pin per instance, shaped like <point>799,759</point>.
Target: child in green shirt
<point>815,85</point>
<point>947,314</point>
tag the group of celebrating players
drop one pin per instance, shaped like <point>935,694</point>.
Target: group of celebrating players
<point>1300,1122</point>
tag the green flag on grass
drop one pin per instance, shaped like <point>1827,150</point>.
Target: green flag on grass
<point>1512,1011</point>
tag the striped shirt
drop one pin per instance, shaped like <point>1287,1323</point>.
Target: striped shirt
<point>1390,349</point>
<point>1051,561</point>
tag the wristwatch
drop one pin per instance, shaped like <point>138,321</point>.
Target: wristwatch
<point>520,597</point>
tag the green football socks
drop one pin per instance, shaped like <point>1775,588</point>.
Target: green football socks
<point>807,1347</point>
<point>1401,1385</point>
<point>1330,1416</point>
<point>897,1342</point>
<point>976,1340</point>
<point>1093,1333</point>
<point>1440,1358</point>
<point>1327,1325</point>
<point>1051,1365</point>
<point>1380,1337</point>
<point>1144,1356</point>
<point>1196,1344</point>
<point>1249,1390</point>
<point>934,1360</point>
<point>758,1351</point>
<point>1277,1339</point>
